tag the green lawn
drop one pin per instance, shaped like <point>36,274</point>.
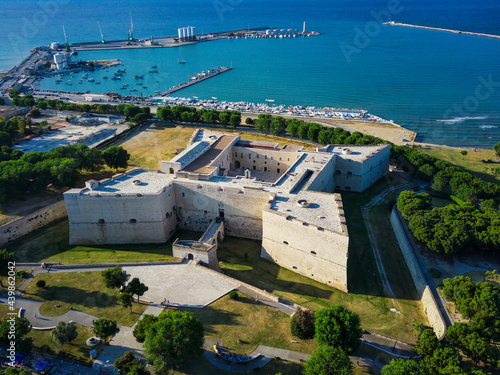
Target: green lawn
<point>4,281</point>
<point>51,244</point>
<point>5,312</point>
<point>84,291</point>
<point>77,349</point>
<point>472,162</point>
<point>242,325</point>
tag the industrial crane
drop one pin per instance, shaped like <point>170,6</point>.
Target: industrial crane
<point>66,40</point>
<point>102,35</point>
<point>131,30</point>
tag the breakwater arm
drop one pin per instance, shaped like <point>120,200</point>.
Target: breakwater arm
<point>392,23</point>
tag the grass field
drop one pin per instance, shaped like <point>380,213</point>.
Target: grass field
<point>84,291</point>
<point>242,325</point>
<point>77,349</point>
<point>51,244</point>
<point>4,280</point>
<point>162,142</point>
<point>5,312</point>
<point>470,162</point>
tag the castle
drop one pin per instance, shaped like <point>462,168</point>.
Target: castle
<point>221,185</point>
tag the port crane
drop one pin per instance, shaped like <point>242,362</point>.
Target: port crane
<point>66,39</point>
<point>102,35</point>
<point>131,31</point>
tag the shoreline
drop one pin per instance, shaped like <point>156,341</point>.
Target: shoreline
<point>392,23</point>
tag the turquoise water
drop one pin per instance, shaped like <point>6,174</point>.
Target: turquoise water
<point>429,81</point>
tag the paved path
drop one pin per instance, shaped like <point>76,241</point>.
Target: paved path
<point>281,306</point>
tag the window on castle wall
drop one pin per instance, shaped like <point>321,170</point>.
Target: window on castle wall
<point>294,267</point>
<point>183,194</point>
<point>236,154</point>
<point>313,253</point>
<point>265,169</point>
<point>101,221</point>
<point>347,188</point>
<point>242,155</point>
<point>132,221</point>
<point>278,171</point>
<point>265,156</point>
<point>337,171</point>
<point>254,168</point>
<point>285,242</point>
<point>257,156</point>
<point>349,173</point>
<point>249,156</point>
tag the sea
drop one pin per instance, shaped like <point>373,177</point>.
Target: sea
<point>444,86</point>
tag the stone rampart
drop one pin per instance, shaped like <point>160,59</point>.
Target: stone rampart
<point>427,299</point>
<point>31,222</point>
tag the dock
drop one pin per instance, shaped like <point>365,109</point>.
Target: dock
<point>183,85</point>
<point>392,23</point>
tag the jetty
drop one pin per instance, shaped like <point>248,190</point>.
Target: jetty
<point>210,74</point>
<point>392,23</point>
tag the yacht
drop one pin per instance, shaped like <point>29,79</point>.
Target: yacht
<point>116,78</point>
<point>181,61</point>
<point>139,77</point>
<point>105,77</point>
<point>91,80</point>
<point>154,67</point>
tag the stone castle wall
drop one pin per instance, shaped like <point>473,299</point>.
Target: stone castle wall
<point>314,252</point>
<point>198,204</point>
<point>126,218</point>
<point>263,160</point>
<point>31,222</point>
<point>427,299</point>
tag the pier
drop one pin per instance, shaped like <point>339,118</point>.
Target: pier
<point>183,85</point>
<point>392,23</point>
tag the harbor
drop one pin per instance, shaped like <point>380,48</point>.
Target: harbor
<point>392,23</point>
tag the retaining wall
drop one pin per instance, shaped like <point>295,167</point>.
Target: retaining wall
<point>31,222</point>
<point>427,299</point>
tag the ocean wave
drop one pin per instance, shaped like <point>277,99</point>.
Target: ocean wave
<point>488,127</point>
<point>457,120</point>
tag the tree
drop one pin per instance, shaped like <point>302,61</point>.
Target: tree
<point>235,119</point>
<point>5,258</point>
<point>136,287</point>
<point>129,364</point>
<point>22,327</point>
<point>427,341</point>
<point>338,327</point>
<point>14,92</point>
<point>174,338</point>
<point>497,149</point>
<point>410,202</point>
<point>116,157</point>
<point>327,360</point>
<point>140,117</point>
<point>115,277</point>
<point>105,328</point>
<point>64,332</point>
<point>143,325</point>
<point>126,298</point>
<point>249,121</point>
<point>402,367</point>
<point>16,371</point>
<point>263,123</point>
<point>302,324</point>
<point>463,153</point>
<point>5,139</point>
<point>224,118</point>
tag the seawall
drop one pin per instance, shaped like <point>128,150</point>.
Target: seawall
<point>392,23</point>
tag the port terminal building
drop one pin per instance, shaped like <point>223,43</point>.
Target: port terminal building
<point>287,197</point>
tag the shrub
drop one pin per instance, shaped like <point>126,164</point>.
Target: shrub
<point>41,283</point>
<point>234,295</point>
<point>302,324</point>
<point>22,274</point>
